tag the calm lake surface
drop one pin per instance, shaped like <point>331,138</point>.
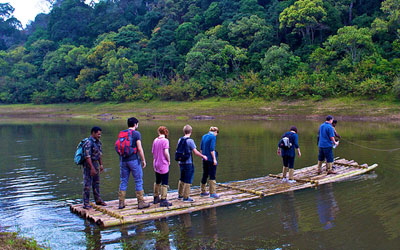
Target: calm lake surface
<point>38,180</point>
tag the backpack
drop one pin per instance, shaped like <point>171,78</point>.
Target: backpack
<point>80,153</point>
<point>182,152</point>
<point>285,143</point>
<point>124,145</point>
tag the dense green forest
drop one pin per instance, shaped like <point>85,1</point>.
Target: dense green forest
<point>125,50</point>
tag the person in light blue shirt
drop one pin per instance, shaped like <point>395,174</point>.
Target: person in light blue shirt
<point>207,147</point>
<point>325,144</point>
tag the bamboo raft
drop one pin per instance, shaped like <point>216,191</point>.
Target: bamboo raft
<point>230,193</point>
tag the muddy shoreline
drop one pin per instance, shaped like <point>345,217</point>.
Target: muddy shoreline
<point>353,110</point>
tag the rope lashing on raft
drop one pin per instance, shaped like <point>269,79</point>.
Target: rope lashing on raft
<point>375,149</point>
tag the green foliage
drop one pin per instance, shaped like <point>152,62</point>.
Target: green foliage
<point>279,62</point>
<point>185,50</point>
<point>304,17</point>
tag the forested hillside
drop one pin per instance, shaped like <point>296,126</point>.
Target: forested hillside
<point>125,50</point>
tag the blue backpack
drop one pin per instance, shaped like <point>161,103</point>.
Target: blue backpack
<point>79,153</point>
<point>182,151</point>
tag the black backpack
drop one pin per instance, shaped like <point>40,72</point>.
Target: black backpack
<point>182,151</point>
<point>285,143</point>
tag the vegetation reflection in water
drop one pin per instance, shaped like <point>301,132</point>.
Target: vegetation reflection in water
<point>38,180</point>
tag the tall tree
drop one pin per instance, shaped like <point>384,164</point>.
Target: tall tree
<point>304,17</point>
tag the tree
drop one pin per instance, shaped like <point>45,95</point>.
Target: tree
<point>250,31</point>
<point>205,59</point>
<point>9,26</point>
<point>391,21</point>
<point>279,61</point>
<point>304,17</point>
<point>352,41</point>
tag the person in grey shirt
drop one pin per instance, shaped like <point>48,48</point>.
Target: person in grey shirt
<point>187,167</point>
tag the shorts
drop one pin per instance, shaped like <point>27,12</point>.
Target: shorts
<point>325,153</point>
<point>288,161</point>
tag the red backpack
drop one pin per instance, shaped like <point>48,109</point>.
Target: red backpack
<point>125,146</point>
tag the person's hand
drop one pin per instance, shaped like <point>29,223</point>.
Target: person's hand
<point>278,152</point>
<point>101,168</point>
<point>337,143</point>
<point>143,164</point>
<point>205,157</point>
<point>215,162</point>
<point>299,154</point>
<point>93,172</point>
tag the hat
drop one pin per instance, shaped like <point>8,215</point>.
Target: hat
<point>293,128</point>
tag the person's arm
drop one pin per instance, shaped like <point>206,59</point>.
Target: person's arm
<point>212,147</point>
<point>296,144</point>
<point>141,152</point>
<point>92,169</point>
<point>196,152</point>
<point>336,134</point>
<point>278,152</point>
<point>334,141</point>
<point>88,158</point>
<point>166,154</point>
<point>214,158</point>
<point>101,165</point>
<point>332,135</point>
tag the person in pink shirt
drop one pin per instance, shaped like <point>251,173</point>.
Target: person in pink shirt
<point>161,164</point>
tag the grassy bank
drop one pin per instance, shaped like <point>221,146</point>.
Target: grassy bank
<point>221,108</point>
<point>12,241</point>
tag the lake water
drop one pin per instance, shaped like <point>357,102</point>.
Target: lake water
<point>38,181</point>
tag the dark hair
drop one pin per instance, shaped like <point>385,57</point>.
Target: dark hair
<point>293,128</point>
<point>132,122</point>
<point>95,130</point>
<point>329,117</point>
<point>334,121</point>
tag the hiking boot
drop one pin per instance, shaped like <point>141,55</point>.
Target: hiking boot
<point>140,199</point>
<point>156,200</point>
<point>291,173</point>
<point>203,190</point>
<point>291,181</point>
<point>180,197</point>
<point>188,199</point>
<point>215,196</point>
<point>121,198</point>
<point>213,186</point>
<point>165,203</point>
<point>101,203</point>
<point>156,193</point>
<point>319,168</point>
<point>87,206</point>
<point>284,172</point>
<point>180,189</point>
<point>284,180</point>
<point>186,193</point>
<point>331,172</point>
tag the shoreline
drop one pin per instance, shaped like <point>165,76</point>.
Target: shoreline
<point>345,109</point>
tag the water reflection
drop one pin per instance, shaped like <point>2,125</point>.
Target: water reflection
<point>288,213</point>
<point>162,240</point>
<point>93,237</point>
<point>327,206</point>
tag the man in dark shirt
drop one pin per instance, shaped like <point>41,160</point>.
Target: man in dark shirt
<point>92,168</point>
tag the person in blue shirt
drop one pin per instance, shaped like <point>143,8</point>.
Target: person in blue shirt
<point>207,147</point>
<point>325,144</point>
<point>288,155</point>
